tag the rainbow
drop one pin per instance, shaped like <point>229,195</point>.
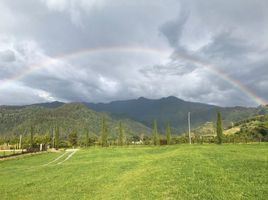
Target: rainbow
<point>133,49</point>
<point>79,53</point>
<point>224,76</point>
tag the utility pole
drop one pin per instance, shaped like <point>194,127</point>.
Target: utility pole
<point>189,125</point>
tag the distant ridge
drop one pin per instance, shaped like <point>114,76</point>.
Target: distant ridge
<point>67,116</point>
<point>53,104</point>
<point>165,110</point>
<point>171,110</point>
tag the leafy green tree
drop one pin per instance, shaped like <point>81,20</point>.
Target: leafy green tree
<point>104,133</point>
<point>2,140</point>
<point>168,134</point>
<point>52,138</point>
<point>57,137</point>
<point>93,139</point>
<point>219,128</point>
<point>47,138</point>
<point>38,138</point>
<point>73,137</point>
<point>155,134</point>
<point>121,135</point>
<point>31,136</point>
<point>86,137</point>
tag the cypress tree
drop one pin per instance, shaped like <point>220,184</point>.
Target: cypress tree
<point>57,137</point>
<point>155,134</point>
<point>168,134</point>
<point>52,137</point>
<point>86,137</point>
<point>121,135</point>
<point>104,133</point>
<point>31,136</point>
<point>219,128</point>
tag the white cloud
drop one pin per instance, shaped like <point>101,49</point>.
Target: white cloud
<point>18,94</point>
<point>74,8</point>
<point>34,33</point>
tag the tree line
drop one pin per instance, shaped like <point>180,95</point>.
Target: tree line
<point>53,138</point>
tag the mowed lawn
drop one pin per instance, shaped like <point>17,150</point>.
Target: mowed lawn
<point>9,152</point>
<point>5,153</point>
<point>169,172</point>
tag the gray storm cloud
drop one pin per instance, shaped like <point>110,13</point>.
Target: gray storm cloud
<point>231,36</point>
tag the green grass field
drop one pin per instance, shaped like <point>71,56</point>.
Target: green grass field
<point>8,152</point>
<point>171,172</point>
<point>5,153</point>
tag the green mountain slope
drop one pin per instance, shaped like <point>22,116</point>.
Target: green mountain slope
<point>208,128</point>
<point>253,127</point>
<point>174,111</point>
<point>17,120</point>
<point>137,114</point>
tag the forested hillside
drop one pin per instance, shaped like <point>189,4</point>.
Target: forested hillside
<point>174,111</point>
<point>137,115</point>
<point>68,117</point>
<point>253,127</point>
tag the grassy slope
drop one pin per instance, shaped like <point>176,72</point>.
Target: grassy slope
<point>175,172</point>
<point>232,131</point>
<point>255,124</point>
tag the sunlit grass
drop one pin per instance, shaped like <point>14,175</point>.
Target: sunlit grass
<point>9,152</point>
<point>171,172</point>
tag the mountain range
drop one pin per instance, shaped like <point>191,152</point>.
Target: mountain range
<point>68,117</point>
<point>174,111</point>
<point>137,115</point>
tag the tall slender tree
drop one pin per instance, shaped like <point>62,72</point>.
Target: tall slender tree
<point>104,133</point>
<point>168,134</point>
<point>155,134</point>
<point>57,137</point>
<point>86,137</point>
<point>121,135</point>
<point>31,136</point>
<point>219,128</point>
<point>52,137</point>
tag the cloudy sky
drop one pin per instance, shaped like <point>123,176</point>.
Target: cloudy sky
<point>211,51</point>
